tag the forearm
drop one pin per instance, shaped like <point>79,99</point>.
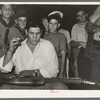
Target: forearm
<point>90,27</point>
<point>7,57</point>
<point>69,50</point>
<point>74,44</point>
<point>63,61</point>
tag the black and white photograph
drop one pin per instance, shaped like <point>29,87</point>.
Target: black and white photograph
<point>49,46</point>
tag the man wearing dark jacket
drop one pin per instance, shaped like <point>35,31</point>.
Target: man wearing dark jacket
<point>93,44</point>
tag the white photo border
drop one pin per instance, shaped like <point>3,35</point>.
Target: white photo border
<point>47,93</point>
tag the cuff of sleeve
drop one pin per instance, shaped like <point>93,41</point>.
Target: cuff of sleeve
<point>44,73</point>
<point>6,68</point>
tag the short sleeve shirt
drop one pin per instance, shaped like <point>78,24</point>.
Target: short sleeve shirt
<point>67,34</point>
<point>58,40</point>
<point>79,33</point>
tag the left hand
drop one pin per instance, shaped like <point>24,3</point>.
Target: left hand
<point>82,44</point>
<point>25,73</point>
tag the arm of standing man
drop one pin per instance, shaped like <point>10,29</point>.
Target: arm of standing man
<point>63,51</point>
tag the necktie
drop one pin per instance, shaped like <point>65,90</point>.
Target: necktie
<point>6,40</point>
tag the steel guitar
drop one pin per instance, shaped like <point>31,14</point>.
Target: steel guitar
<point>41,81</point>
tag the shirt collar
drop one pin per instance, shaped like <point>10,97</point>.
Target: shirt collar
<point>24,42</point>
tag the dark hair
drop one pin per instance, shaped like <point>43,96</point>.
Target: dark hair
<point>56,17</point>
<point>80,11</point>
<point>35,23</point>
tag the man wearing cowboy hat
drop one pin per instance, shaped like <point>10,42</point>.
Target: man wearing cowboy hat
<point>18,29</point>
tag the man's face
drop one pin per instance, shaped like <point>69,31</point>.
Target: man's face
<point>21,22</point>
<point>81,16</point>
<point>34,34</point>
<point>53,25</point>
<point>6,11</point>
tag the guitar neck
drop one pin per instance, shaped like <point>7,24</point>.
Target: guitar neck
<point>64,80</point>
<point>70,80</point>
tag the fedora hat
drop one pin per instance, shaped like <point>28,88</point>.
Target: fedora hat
<point>20,13</point>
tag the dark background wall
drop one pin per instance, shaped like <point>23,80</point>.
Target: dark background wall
<point>69,12</point>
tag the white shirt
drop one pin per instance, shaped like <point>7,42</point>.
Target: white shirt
<point>43,58</point>
<point>79,33</point>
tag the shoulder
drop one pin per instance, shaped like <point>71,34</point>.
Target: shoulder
<point>64,31</point>
<point>61,36</point>
<point>46,43</point>
<point>75,25</point>
<point>13,29</point>
<point>2,26</point>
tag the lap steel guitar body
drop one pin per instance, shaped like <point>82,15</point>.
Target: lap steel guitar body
<point>36,81</point>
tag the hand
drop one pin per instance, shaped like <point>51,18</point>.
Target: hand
<point>14,44</point>
<point>25,73</point>
<point>94,18</point>
<point>82,44</point>
<point>8,76</point>
<point>96,36</point>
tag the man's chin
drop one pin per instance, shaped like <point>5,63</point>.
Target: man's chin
<point>53,31</point>
<point>34,43</point>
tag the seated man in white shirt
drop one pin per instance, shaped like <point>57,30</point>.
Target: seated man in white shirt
<point>34,55</point>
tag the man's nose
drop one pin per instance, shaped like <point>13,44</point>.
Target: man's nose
<point>34,36</point>
<point>7,10</point>
<point>23,22</point>
<point>52,25</point>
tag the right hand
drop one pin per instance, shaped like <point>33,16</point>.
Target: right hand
<point>96,36</point>
<point>14,44</point>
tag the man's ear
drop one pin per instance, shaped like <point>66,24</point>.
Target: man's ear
<point>77,18</point>
<point>26,31</point>
<point>58,25</point>
<point>13,13</point>
<point>0,12</point>
<point>15,21</point>
<point>86,15</point>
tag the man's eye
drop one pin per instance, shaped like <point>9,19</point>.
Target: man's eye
<point>38,33</point>
<point>30,33</point>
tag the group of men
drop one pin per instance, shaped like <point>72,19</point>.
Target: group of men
<point>27,51</point>
<point>22,48</point>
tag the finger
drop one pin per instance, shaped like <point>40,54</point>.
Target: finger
<point>15,40</point>
<point>12,77</point>
<point>21,75</point>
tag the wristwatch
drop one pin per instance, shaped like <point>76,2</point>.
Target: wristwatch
<point>36,70</point>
